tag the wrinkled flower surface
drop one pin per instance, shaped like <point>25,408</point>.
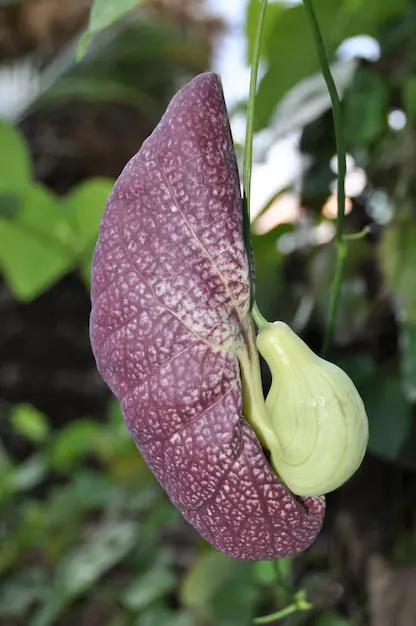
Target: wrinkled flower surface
<point>172,334</point>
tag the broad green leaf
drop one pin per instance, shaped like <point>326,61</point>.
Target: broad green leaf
<point>290,49</point>
<point>209,572</point>
<point>35,248</point>
<point>233,603</point>
<point>291,53</point>
<point>84,206</point>
<point>29,422</point>
<point>253,10</point>
<point>309,99</point>
<point>220,589</point>
<point>106,12</point>
<point>103,14</point>
<point>15,166</point>
<point>264,572</point>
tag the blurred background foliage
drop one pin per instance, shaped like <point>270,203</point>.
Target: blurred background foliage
<point>86,534</point>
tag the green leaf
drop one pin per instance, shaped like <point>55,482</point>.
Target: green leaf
<point>35,247</point>
<point>210,571</point>
<point>291,53</point>
<point>106,12</point>
<point>264,572</point>
<point>220,589</point>
<point>309,99</point>
<point>148,588</point>
<point>103,14</point>
<point>15,165</point>
<point>85,206</point>
<point>83,44</point>
<point>252,17</point>
<point>29,422</point>
<point>290,50</point>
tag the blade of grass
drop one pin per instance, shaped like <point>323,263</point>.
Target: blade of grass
<point>342,168</point>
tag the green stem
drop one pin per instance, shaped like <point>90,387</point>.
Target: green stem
<point>355,236</point>
<point>342,168</point>
<point>289,610</point>
<point>261,321</point>
<point>299,604</point>
<point>248,147</point>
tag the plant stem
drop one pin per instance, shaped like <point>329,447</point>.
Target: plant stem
<point>342,167</point>
<point>261,321</point>
<point>299,604</point>
<point>289,610</point>
<point>248,155</point>
<point>248,147</point>
<point>355,236</point>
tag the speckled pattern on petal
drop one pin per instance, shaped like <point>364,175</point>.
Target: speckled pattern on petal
<point>170,306</point>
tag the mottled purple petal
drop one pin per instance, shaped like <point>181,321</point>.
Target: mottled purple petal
<point>170,311</point>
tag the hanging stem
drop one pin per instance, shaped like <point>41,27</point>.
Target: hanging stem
<point>248,146</point>
<point>342,168</point>
<point>261,321</point>
<point>248,153</point>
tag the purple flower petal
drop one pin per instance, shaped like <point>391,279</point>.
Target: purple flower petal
<point>170,310</point>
